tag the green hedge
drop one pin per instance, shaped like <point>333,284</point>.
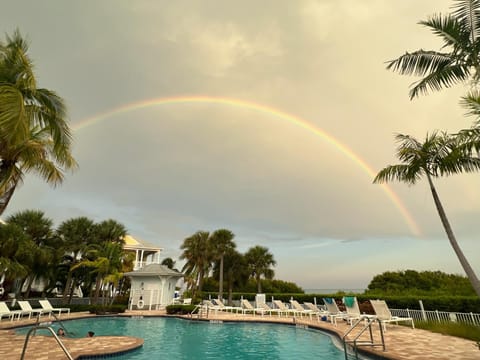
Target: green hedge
<point>107,309</point>
<point>463,304</point>
<point>180,309</point>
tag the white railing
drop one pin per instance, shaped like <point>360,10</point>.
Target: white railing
<point>438,316</point>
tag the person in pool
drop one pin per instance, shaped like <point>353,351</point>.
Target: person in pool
<point>90,334</point>
<point>60,332</point>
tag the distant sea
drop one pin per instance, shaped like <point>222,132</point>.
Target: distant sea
<point>333,291</point>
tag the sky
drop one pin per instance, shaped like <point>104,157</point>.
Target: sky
<point>269,118</point>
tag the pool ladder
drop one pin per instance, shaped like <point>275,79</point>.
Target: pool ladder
<point>362,324</point>
<point>38,326</point>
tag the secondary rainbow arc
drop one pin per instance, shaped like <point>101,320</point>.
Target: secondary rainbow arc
<point>266,110</point>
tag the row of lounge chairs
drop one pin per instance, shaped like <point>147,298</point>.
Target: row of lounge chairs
<point>329,311</point>
<point>26,309</point>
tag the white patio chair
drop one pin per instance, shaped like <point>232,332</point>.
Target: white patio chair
<point>384,315</point>
<point>45,304</point>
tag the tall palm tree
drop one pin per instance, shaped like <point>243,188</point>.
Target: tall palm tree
<point>237,272</point>
<point>76,234</point>
<point>260,262</point>
<point>34,134</point>
<point>221,241</point>
<point>196,252</point>
<point>109,235</point>
<point>439,155</point>
<point>459,59</point>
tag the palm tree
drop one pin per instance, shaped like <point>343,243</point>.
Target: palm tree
<point>39,229</point>
<point>439,155</point>
<point>221,241</point>
<point>460,59</point>
<point>260,261</point>
<point>237,272</point>
<point>34,134</point>
<point>168,262</point>
<point>109,235</point>
<point>77,235</point>
<point>196,252</point>
<point>17,252</point>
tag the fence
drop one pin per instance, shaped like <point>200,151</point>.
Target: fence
<point>438,316</point>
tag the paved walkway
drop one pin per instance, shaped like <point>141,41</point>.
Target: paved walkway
<point>402,342</point>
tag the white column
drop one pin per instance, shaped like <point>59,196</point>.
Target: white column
<point>135,267</point>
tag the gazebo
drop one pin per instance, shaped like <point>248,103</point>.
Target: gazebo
<point>152,286</point>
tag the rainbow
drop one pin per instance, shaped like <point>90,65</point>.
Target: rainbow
<point>262,109</point>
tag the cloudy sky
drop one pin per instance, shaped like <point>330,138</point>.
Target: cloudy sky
<point>298,113</point>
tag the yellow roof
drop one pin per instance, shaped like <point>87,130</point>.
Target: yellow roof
<point>132,243</point>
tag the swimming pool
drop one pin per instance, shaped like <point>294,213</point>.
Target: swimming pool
<point>200,340</point>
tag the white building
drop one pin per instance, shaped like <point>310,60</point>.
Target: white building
<point>152,284</point>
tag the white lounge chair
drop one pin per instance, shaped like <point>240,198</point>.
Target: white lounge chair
<point>224,307</point>
<point>285,309</point>
<point>301,310</point>
<point>45,304</point>
<point>316,310</point>
<point>26,307</point>
<point>384,315</point>
<point>6,312</point>
<point>210,306</point>
<point>247,307</point>
<point>353,310</point>
<point>333,312</point>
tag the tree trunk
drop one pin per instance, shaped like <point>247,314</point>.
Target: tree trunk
<point>30,280</point>
<point>259,284</point>
<point>68,285</point>
<point>97,288</point>
<point>220,280</point>
<point>453,241</point>
<point>230,293</point>
<point>5,198</point>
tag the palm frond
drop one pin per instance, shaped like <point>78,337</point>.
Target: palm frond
<point>468,11</point>
<point>448,28</point>
<point>401,172</point>
<point>420,62</point>
<point>471,102</point>
<point>442,78</point>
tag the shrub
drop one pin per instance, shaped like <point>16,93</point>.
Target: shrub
<point>180,309</point>
<point>107,309</point>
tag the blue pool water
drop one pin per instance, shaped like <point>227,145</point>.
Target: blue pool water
<point>182,339</point>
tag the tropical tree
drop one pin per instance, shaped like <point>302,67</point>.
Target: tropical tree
<point>221,241</point>
<point>459,59</point>
<point>17,252</point>
<point>77,235</point>
<point>260,262</point>
<point>168,262</point>
<point>34,134</point>
<point>237,272</point>
<point>439,155</point>
<point>39,229</point>
<point>196,252</point>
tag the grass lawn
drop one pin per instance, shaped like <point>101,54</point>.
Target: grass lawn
<point>471,332</point>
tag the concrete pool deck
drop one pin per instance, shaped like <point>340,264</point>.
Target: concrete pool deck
<point>401,342</point>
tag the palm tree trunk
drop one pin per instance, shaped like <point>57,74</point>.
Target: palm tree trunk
<point>259,284</point>
<point>453,241</point>
<point>68,285</point>
<point>220,280</point>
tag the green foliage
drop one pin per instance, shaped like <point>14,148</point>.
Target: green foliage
<point>419,283</point>
<point>268,286</point>
<point>466,331</point>
<point>107,309</point>
<point>180,309</point>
